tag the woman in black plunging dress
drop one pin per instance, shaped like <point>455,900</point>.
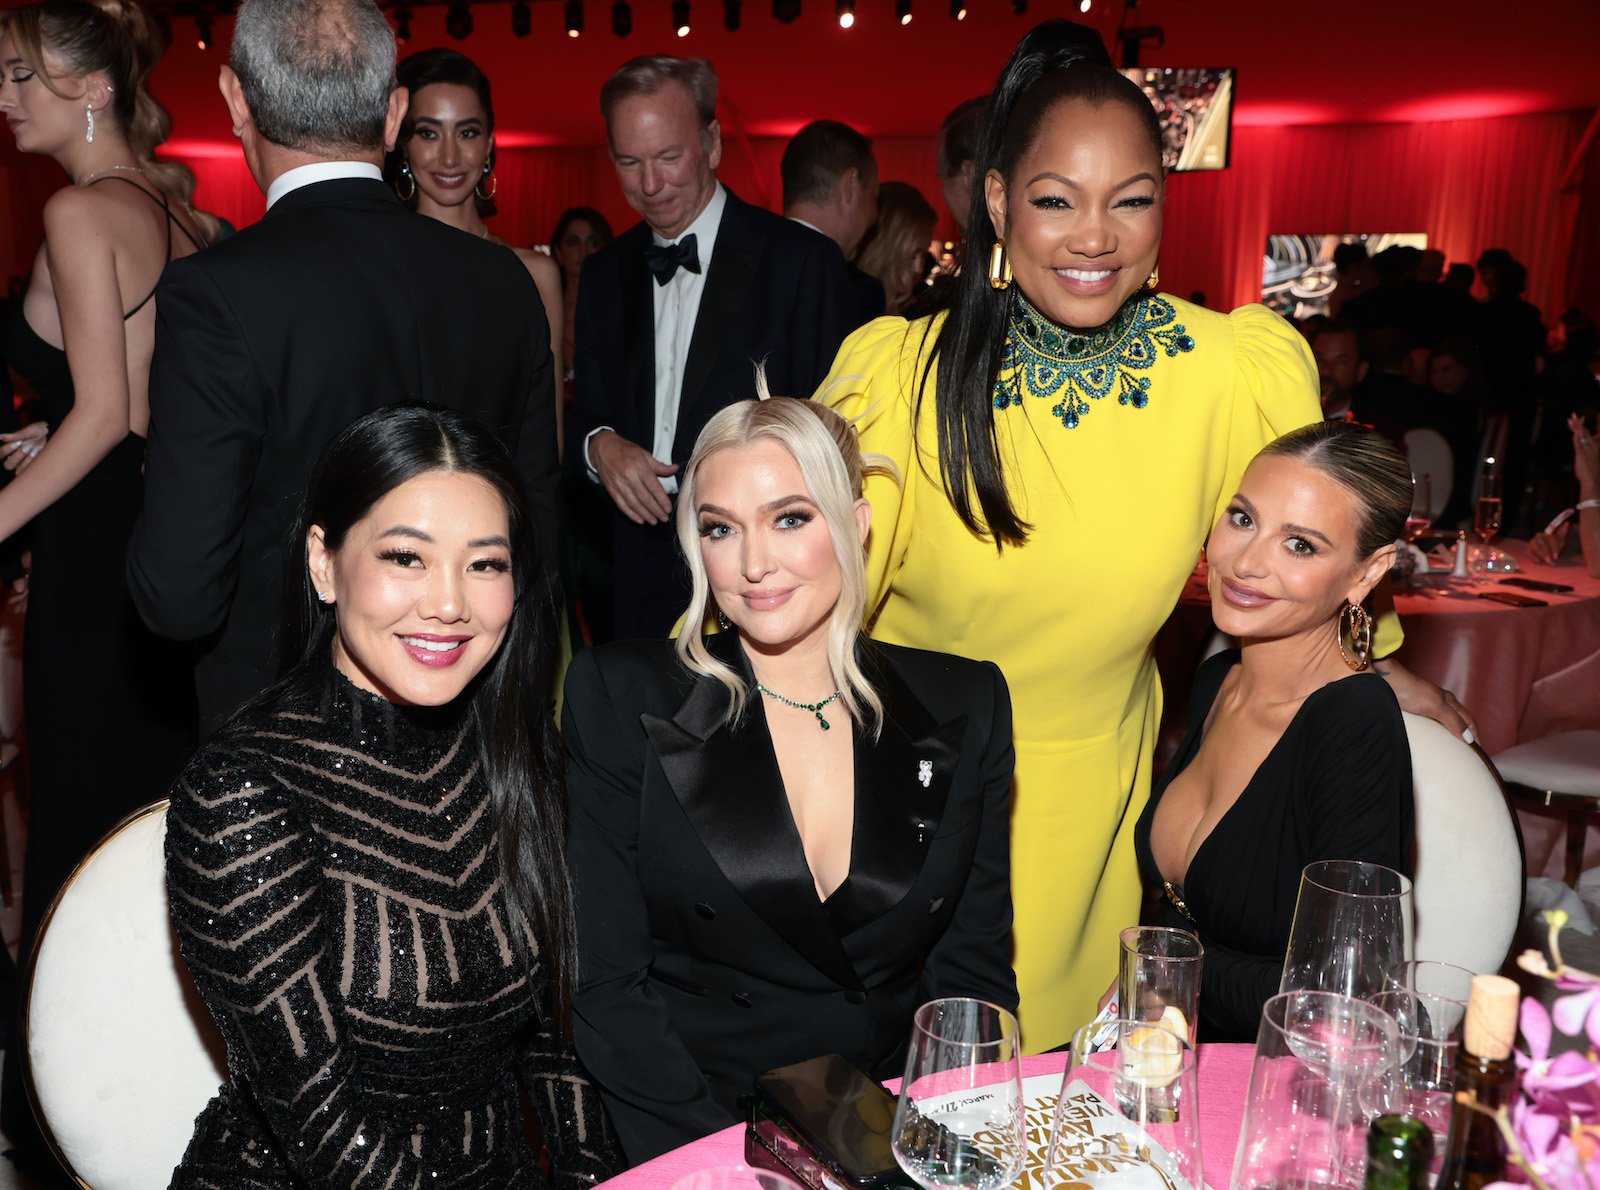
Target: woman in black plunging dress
<point>110,715</point>
<point>1296,751</point>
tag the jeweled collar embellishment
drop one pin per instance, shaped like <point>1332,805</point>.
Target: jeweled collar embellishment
<point>1044,360</point>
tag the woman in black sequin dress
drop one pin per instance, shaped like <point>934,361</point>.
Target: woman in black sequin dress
<point>366,864</point>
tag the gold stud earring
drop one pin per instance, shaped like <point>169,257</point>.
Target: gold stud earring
<point>999,266</point>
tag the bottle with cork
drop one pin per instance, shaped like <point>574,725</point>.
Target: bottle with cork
<point>1475,1154</point>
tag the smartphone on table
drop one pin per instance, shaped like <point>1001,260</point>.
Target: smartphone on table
<point>827,1123</point>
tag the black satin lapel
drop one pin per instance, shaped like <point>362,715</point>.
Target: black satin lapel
<point>727,781</point>
<point>902,787</point>
<point>728,278</point>
<point>639,339</point>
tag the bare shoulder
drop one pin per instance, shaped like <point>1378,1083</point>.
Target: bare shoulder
<point>543,269</point>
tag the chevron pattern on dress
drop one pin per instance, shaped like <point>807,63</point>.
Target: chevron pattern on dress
<point>336,887</point>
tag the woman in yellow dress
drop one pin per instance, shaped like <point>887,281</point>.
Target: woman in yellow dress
<point>1067,438</point>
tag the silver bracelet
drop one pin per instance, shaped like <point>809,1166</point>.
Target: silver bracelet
<point>1567,514</point>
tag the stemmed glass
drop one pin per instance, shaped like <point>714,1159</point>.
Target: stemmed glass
<point>1351,931</point>
<point>1323,1063</point>
<point>1128,1116</point>
<point>1486,520</point>
<point>960,1121</point>
<point>1420,518</point>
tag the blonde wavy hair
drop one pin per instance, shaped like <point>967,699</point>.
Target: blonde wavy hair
<point>828,452</point>
<point>119,39</point>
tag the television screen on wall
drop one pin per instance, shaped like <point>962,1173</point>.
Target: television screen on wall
<point>1195,107</point>
<point>1297,274</point>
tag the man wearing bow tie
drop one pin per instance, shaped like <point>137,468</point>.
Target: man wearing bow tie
<point>673,317</point>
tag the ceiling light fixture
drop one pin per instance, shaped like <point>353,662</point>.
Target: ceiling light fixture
<point>902,11</point>
<point>1083,5</point>
<point>958,9</point>
<point>622,18</point>
<point>402,25</point>
<point>574,17</point>
<point>521,19</point>
<point>785,11</point>
<point>846,11</point>
<point>458,21</point>
<point>680,17</point>
<point>732,13</point>
<point>1019,6</point>
<point>204,39</point>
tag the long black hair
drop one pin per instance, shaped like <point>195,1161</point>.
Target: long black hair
<point>521,752</point>
<point>1056,61</point>
<point>423,69</point>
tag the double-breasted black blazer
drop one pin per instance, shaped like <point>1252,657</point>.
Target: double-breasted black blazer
<point>706,957</point>
<point>338,302</point>
<point>776,293</point>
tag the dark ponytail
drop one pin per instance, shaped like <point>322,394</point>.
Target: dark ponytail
<point>1055,61</point>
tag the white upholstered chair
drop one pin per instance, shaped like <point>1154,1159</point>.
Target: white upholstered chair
<point>1561,771</point>
<point>121,1053</point>
<point>1468,883</point>
<point>1429,454</point>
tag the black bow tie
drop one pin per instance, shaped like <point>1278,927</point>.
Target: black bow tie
<point>666,259</point>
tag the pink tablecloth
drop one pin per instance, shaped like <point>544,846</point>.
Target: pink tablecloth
<point>1224,1081</point>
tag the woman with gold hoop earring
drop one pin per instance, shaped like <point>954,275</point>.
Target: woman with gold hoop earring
<point>1295,751</point>
<point>442,166</point>
<point>1059,423</point>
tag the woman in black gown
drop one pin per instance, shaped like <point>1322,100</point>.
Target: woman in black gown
<point>1296,751</point>
<point>110,713</point>
<point>366,862</point>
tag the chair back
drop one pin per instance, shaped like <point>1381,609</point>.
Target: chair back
<point>1430,455</point>
<point>1469,877</point>
<point>122,1054</point>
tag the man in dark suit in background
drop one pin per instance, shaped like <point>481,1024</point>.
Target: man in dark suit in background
<point>830,184</point>
<point>339,301</point>
<point>675,314</point>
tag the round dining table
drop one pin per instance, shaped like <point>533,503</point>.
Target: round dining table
<point>1224,1073</point>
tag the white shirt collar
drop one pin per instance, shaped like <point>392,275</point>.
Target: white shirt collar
<point>319,171</point>
<point>803,223</point>
<point>704,227</point>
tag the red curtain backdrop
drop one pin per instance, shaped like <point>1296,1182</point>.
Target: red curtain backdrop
<point>1469,184</point>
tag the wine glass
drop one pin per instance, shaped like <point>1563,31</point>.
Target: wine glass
<point>1321,1067</point>
<point>1486,521</point>
<point>1420,519</point>
<point>1351,931</point>
<point>1128,1116</point>
<point>960,1119</point>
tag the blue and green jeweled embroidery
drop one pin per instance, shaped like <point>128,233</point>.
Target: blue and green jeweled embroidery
<point>1040,359</point>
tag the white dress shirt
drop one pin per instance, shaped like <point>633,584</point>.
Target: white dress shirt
<point>319,171</point>
<point>676,306</point>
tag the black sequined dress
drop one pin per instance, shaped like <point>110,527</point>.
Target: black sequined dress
<point>336,888</point>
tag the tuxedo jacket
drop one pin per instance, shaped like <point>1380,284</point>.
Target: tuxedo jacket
<point>775,293</point>
<point>705,955</point>
<point>339,301</point>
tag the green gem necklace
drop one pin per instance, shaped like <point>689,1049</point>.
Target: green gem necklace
<point>814,707</point>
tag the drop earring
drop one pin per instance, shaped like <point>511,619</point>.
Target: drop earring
<point>494,184</point>
<point>999,266</point>
<point>410,182</point>
<point>1154,279</point>
<point>722,621</point>
<point>88,132</point>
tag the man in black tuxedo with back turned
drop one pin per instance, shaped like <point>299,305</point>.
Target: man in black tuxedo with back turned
<point>675,314</point>
<point>339,301</point>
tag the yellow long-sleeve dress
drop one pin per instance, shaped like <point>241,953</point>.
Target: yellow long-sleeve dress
<point>1121,450</point>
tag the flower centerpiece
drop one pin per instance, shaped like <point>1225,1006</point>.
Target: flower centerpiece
<point>1552,1127</point>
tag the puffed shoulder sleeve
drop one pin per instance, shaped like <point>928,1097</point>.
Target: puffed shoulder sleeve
<point>874,383</point>
<point>1275,390</point>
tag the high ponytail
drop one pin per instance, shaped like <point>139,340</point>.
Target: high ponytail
<point>1054,61</point>
<point>119,39</point>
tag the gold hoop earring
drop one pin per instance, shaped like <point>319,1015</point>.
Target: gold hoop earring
<point>494,185</point>
<point>1154,279</point>
<point>88,132</point>
<point>1354,626</point>
<point>999,266</point>
<point>406,176</point>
